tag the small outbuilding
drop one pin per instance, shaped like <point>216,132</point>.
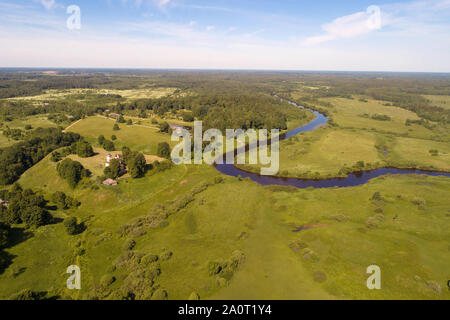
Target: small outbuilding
<point>110,182</point>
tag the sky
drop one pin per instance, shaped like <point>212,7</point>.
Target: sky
<point>346,35</point>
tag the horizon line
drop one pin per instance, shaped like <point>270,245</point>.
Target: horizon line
<point>223,70</point>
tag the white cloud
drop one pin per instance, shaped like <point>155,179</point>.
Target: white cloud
<point>345,27</point>
<point>416,17</point>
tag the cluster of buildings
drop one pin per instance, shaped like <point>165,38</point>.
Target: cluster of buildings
<point>123,170</point>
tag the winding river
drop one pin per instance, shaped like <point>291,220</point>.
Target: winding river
<point>354,179</point>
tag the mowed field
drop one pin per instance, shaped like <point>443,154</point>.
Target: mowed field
<point>136,137</point>
<point>144,93</point>
<point>439,101</point>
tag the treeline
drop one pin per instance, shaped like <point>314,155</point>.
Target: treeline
<point>16,159</point>
<point>219,110</point>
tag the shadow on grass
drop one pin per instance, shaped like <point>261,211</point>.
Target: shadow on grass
<point>18,235</point>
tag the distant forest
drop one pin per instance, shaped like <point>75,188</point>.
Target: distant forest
<point>220,98</point>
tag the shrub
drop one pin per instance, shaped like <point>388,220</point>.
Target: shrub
<point>107,280</point>
<point>149,258</point>
<point>129,244</point>
<point>108,145</point>
<point>113,138</point>
<point>160,294</point>
<point>164,127</point>
<point>194,296</point>
<point>101,140</point>
<point>319,276</point>
<point>84,149</point>
<point>116,127</point>
<point>376,197</point>
<point>164,150</point>
<point>129,122</point>
<point>218,180</point>
<point>55,157</point>
<point>420,202</point>
<point>27,294</point>
<point>374,221</point>
<point>166,255</point>
<point>71,226</point>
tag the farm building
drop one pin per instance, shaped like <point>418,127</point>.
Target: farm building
<point>110,182</point>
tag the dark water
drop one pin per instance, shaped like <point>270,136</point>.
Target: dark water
<point>354,179</point>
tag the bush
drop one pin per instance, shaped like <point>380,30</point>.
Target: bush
<point>129,122</point>
<point>194,296</point>
<point>84,149</point>
<point>129,245</point>
<point>107,280</point>
<point>149,258</point>
<point>116,127</point>
<point>27,294</point>
<point>160,294</point>
<point>71,226</point>
<point>108,145</point>
<point>166,255</point>
<point>101,140</point>
<point>188,117</point>
<point>163,150</point>
<point>420,202</point>
<point>113,138</point>
<point>55,157</point>
<point>164,127</point>
<point>376,197</point>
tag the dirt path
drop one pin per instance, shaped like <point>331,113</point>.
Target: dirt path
<point>70,126</point>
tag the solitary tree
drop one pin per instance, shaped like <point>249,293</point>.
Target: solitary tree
<point>164,150</point>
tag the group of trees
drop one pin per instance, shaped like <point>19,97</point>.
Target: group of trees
<point>16,159</point>
<point>108,145</point>
<point>71,171</point>
<point>63,201</point>
<point>135,162</point>
<point>25,206</point>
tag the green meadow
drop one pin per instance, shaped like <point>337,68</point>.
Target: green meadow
<point>326,261</point>
<point>187,230</point>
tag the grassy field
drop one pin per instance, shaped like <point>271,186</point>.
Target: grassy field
<point>439,101</point>
<point>128,94</point>
<point>37,121</point>
<point>136,137</point>
<point>349,113</point>
<point>326,261</point>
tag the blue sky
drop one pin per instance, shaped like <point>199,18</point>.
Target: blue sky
<point>398,35</point>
